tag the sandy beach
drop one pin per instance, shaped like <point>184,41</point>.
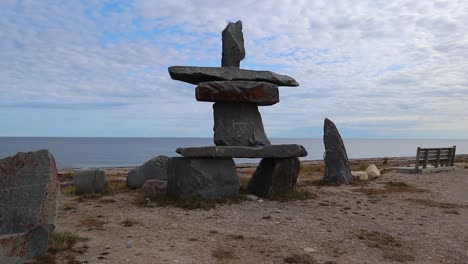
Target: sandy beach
<point>416,218</point>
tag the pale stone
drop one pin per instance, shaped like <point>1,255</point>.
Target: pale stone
<point>372,171</point>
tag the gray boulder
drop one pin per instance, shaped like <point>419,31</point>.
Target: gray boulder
<point>205,177</point>
<point>274,176</point>
<point>154,189</point>
<point>19,247</point>
<point>271,151</point>
<point>259,93</point>
<point>153,169</point>
<point>233,45</point>
<point>196,75</point>
<point>337,170</point>
<point>89,181</point>
<point>238,124</point>
<point>29,189</point>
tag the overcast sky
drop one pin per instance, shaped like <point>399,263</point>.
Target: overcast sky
<point>378,69</point>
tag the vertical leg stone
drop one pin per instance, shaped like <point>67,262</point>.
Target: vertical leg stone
<point>274,176</point>
<point>238,124</point>
<point>206,177</point>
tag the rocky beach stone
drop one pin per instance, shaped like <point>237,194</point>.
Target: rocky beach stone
<point>153,169</point>
<point>238,124</point>
<point>259,93</point>
<point>154,189</point>
<point>274,176</point>
<point>29,188</point>
<point>19,247</point>
<point>272,151</point>
<point>204,177</point>
<point>337,170</point>
<point>372,171</point>
<point>360,175</point>
<point>233,45</point>
<point>196,75</point>
<point>89,181</point>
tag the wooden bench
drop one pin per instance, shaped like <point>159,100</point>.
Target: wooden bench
<point>438,157</point>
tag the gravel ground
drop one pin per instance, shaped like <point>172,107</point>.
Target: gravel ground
<point>415,218</point>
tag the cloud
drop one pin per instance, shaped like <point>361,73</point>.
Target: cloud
<point>368,65</point>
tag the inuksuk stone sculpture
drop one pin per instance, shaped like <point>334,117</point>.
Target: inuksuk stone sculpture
<point>238,129</point>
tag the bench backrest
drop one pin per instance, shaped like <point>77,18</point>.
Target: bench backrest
<point>436,156</point>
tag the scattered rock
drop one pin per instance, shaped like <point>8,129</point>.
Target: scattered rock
<point>233,45</point>
<point>259,93</point>
<point>372,171</point>
<point>89,181</point>
<point>29,189</point>
<point>274,176</point>
<point>360,175</point>
<point>337,170</point>
<point>238,124</point>
<point>196,75</point>
<point>153,169</point>
<point>208,178</point>
<point>272,151</point>
<point>310,250</point>
<point>251,197</point>
<point>154,189</point>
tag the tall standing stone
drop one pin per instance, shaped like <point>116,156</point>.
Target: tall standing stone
<point>238,124</point>
<point>29,190</point>
<point>337,170</point>
<point>233,45</point>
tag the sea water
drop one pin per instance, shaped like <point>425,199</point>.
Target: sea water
<point>86,152</point>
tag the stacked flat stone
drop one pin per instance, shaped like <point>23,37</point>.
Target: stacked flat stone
<point>238,128</point>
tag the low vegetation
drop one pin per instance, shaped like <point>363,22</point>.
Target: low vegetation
<point>63,241</point>
<point>391,187</point>
<point>297,195</point>
<point>297,258</point>
<point>393,248</point>
<point>190,203</point>
<point>431,203</point>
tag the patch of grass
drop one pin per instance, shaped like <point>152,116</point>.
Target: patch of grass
<point>385,161</point>
<point>243,184</point>
<point>359,167</point>
<point>376,239</point>
<point>221,253</point>
<point>431,203</point>
<point>139,200</point>
<point>92,195</point>
<point>398,255</point>
<point>68,190</point>
<point>296,195</point>
<point>190,203</point>
<point>46,259</point>
<point>63,241</point>
<point>68,206</point>
<point>321,183</point>
<point>397,184</point>
<point>117,187</point>
<point>68,175</point>
<point>129,223</point>
<point>391,187</point>
<point>451,212</point>
<point>92,223</point>
<point>311,169</point>
<point>297,258</point>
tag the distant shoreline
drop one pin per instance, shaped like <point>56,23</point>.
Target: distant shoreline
<point>390,161</point>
